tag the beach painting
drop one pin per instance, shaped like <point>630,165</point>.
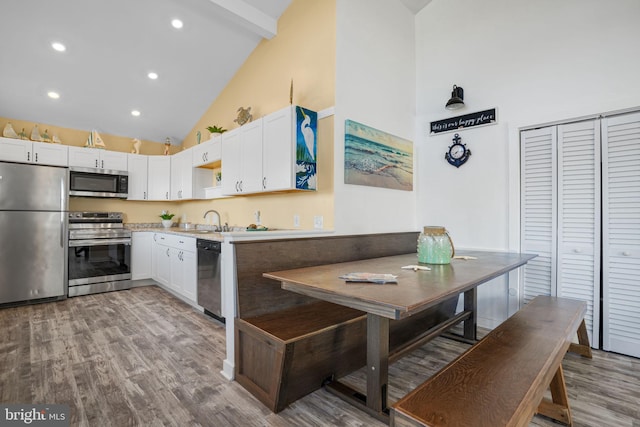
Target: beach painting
<point>377,159</point>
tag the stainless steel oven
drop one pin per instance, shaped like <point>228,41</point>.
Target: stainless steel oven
<point>99,253</point>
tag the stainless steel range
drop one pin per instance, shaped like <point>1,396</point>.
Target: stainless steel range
<point>99,253</point>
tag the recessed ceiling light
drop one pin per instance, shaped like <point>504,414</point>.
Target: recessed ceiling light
<point>53,95</point>
<point>152,75</point>
<point>135,113</point>
<point>58,46</point>
<point>176,23</point>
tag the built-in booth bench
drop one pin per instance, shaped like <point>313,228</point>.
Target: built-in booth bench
<point>501,380</point>
<point>286,344</point>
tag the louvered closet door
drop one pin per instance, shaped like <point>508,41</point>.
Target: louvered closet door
<point>621,234</point>
<point>538,204</point>
<point>578,274</point>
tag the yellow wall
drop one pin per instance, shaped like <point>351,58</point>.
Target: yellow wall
<point>303,50</point>
<point>78,138</point>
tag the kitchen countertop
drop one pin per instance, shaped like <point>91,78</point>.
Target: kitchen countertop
<point>202,233</point>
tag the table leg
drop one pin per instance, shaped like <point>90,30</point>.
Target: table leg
<point>377,362</point>
<point>471,304</point>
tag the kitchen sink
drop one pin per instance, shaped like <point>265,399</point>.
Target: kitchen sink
<point>199,231</point>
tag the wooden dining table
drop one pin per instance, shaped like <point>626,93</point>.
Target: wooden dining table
<point>416,290</point>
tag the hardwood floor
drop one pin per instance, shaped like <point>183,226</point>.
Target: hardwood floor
<point>142,357</point>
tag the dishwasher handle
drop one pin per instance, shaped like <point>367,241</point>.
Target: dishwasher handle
<point>209,245</point>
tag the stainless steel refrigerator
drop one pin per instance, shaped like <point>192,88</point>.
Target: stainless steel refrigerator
<point>33,232</point>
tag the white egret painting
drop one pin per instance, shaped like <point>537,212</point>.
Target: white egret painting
<point>306,148</point>
<point>377,159</point>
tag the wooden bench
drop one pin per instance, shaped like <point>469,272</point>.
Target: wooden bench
<point>286,344</point>
<point>501,380</point>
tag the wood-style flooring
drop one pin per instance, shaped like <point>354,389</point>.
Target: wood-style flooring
<point>142,357</point>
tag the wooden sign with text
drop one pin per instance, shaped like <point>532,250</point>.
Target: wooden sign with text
<point>486,117</point>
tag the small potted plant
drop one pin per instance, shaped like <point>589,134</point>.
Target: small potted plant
<point>216,129</point>
<point>166,219</point>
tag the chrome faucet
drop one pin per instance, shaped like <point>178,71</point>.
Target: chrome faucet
<point>219,226</point>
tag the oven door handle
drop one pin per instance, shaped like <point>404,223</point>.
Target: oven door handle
<point>98,242</point>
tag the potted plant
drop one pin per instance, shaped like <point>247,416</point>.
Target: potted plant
<point>166,219</point>
<point>216,129</point>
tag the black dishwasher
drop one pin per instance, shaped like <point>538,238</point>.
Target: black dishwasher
<point>209,280</point>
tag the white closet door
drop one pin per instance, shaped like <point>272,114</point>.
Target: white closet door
<point>621,234</point>
<point>539,210</point>
<point>578,274</point>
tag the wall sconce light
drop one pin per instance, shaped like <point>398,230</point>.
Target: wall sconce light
<point>456,102</point>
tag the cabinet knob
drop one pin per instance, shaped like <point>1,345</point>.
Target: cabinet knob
<point>578,251</point>
<point>36,157</point>
<point>626,253</point>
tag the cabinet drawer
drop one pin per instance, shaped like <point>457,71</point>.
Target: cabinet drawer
<point>178,242</point>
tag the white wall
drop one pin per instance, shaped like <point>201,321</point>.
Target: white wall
<point>536,61</point>
<point>375,85</point>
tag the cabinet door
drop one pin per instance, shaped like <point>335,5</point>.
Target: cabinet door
<point>141,254</point>
<point>50,154</point>
<point>538,205</point>
<point>15,150</point>
<point>578,268</point>
<point>182,176</point>
<point>175,184</point>
<point>176,283</point>
<point>137,169</point>
<point>189,263</point>
<point>84,157</point>
<point>207,152</point>
<point>251,181</point>
<point>159,175</point>
<point>231,162</point>
<point>278,166</point>
<point>621,234</point>
<point>113,160</point>
<point>162,258</point>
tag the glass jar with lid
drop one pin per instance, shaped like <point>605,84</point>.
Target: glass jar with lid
<point>435,246</point>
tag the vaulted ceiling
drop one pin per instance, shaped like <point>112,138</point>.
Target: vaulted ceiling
<point>112,46</point>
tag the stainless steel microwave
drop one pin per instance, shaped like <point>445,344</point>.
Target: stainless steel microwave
<point>86,182</point>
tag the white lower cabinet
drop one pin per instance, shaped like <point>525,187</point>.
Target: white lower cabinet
<point>141,255</point>
<point>175,264</point>
<point>184,272</point>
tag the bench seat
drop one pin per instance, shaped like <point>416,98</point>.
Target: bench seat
<point>284,355</point>
<point>501,380</point>
<point>286,344</point>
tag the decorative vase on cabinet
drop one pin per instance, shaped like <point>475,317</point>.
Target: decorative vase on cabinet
<point>166,223</point>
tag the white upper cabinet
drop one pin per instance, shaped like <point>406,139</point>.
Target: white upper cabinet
<point>188,182</point>
<point>97,158</point>
<point>208,152</point>
<point>242,159</point>
<point>16,150</point>
<point>289,149</point>
<point>275,153</point>
<point>158,177</point>
<point>138,170</point>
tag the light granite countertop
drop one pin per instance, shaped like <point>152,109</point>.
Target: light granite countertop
<point>207,233</point>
